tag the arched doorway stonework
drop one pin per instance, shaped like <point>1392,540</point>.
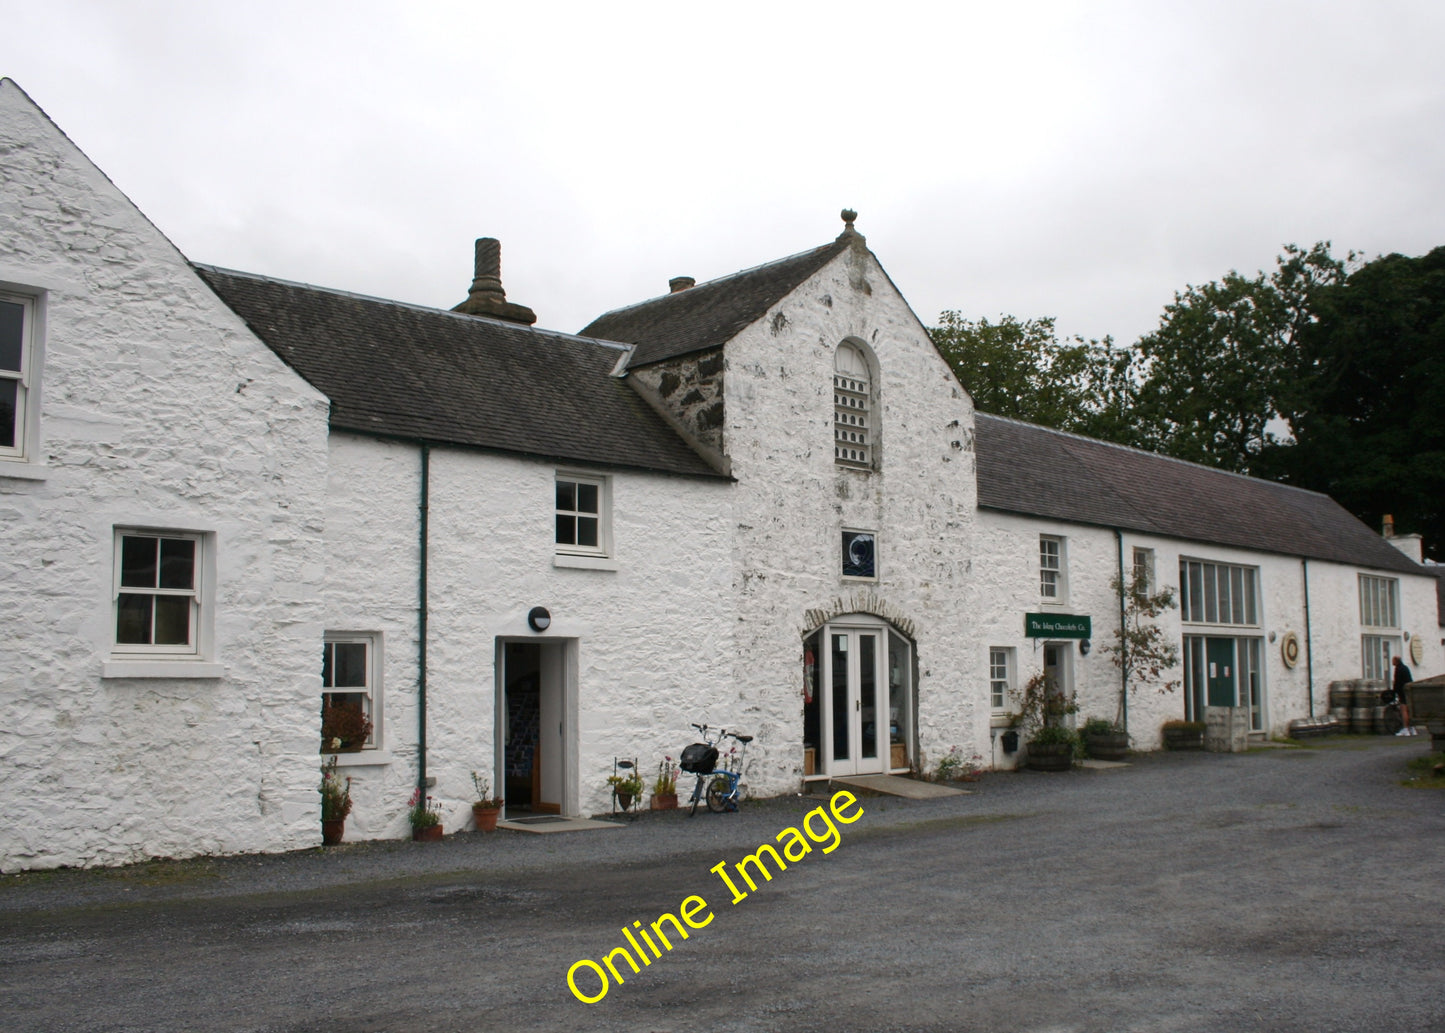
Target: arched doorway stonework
<point>859,688</point>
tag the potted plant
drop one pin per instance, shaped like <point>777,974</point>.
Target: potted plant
<point>426,820</point>
<point>1104,740</point>
<point>335,803</point>
<point>1183,735</point>
<point>664,788</point>
<point>626,788</point>
<point>345,728</point>
<point>487,807</point>
<point>1050,745</point>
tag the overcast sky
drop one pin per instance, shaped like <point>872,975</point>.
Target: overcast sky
<point>1079,160</point>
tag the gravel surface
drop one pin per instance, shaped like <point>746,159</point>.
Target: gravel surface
<point>1283,889</point>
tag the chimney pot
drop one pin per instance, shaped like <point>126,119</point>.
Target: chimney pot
<point>680,283</point>
<point>1389,526</point>
<point>486,297</point>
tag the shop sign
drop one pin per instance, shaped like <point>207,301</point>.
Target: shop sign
<point>1057,625</point>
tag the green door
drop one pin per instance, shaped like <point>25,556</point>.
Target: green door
<point>1222,682</point>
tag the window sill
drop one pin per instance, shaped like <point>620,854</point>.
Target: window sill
<point>19,470</point>
<point>584,562</point>
<point>161,669</point>
<point>361,758</point>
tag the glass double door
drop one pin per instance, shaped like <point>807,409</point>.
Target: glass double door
<point>863,707</point>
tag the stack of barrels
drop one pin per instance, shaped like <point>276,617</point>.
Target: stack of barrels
<point>1357,705</point>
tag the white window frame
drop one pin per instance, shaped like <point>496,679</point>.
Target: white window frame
<point>1376,653</point>
<point>1379,601</point>
<point>1143,564</point>
<point>138,660</point>
<point>1001,666</point>
<point>853,407</point>
<point>26,379</point>
<point>1053,569</point>
<point>600,556</point>
<point>1205,584</point>
<point>192,646</point>
<point>372,690</point>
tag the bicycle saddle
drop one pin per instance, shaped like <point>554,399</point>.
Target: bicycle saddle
<point>743,738</point>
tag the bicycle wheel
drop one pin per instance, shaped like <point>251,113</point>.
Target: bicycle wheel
<point>718,793</point>
<point>696,794</point>
<point>1393,721</point>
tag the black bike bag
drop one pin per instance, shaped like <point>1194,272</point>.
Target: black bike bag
<point>699,758</point>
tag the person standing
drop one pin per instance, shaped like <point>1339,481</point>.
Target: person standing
<point>1403,677</point>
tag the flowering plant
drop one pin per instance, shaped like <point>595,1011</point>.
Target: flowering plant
<point>629,783</point>
<point>423,813</point>
<point>344,725</point>
<point>666,778</point>
<point>335,793</point>
<point>483,788</point>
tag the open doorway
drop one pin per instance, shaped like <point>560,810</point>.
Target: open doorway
<point>533,715</point>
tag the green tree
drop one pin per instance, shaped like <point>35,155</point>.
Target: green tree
<point>1222,373</point>
<point>1370,425</point>
<point>1020,369</point>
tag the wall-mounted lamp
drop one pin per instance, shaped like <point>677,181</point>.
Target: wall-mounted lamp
<point>1271,636</point>
<point>1084,646</point>
<point>538,619</point>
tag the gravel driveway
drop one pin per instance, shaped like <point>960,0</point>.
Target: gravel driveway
<point>1283,889</point>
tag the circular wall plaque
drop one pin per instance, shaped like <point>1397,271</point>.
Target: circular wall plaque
<point>1289,649</point>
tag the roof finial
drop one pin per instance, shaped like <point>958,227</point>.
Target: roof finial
<point>849,233</point>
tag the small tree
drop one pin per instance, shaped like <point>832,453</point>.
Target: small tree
<point>1139,648</point>
<point>1042,704</point>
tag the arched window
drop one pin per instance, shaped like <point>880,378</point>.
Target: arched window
<point>852,407</point>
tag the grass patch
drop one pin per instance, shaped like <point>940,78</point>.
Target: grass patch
<point>1427,772</point>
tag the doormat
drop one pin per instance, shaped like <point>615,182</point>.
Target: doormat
<point>540,819</point>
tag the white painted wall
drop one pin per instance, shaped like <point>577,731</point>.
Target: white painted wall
<point>158,409</point>
<point>651,639</point>
<point>1006,562</point>
<point>793,501</point>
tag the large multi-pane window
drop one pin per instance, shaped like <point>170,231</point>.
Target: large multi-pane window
<point>1218,593</point>
<point>1379,602</point>
<point>1379,609</point>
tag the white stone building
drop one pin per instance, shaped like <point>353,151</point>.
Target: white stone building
<point>762,502</point>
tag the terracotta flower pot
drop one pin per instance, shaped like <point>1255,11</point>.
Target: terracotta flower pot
<point>664,801</point>
<point>485,817</point>
<point>428,834</point>
<point>332,829</point>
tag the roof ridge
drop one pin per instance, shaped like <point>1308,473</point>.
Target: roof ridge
<point>410,305</point>
<point>662,298</point>
<point>1152,455</point>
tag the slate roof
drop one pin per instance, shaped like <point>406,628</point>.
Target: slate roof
<point>404,371</point>
<point>711,313</point>
<point>1039,472</point>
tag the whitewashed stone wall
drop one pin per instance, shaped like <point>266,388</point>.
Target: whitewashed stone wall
<point>1008,587</point>
<point>158,410</point>
<point>793,501</point>
<point>651,639</point>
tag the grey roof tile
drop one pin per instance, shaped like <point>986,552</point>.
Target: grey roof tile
<point>1040,472</point>
<point>711,313</point>
<point>396,370</point>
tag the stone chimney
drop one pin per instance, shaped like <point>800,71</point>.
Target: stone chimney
<point>486,298</point>
<point>680,283</point>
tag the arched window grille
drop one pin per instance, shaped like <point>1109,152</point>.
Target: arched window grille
<point>852,407</point>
